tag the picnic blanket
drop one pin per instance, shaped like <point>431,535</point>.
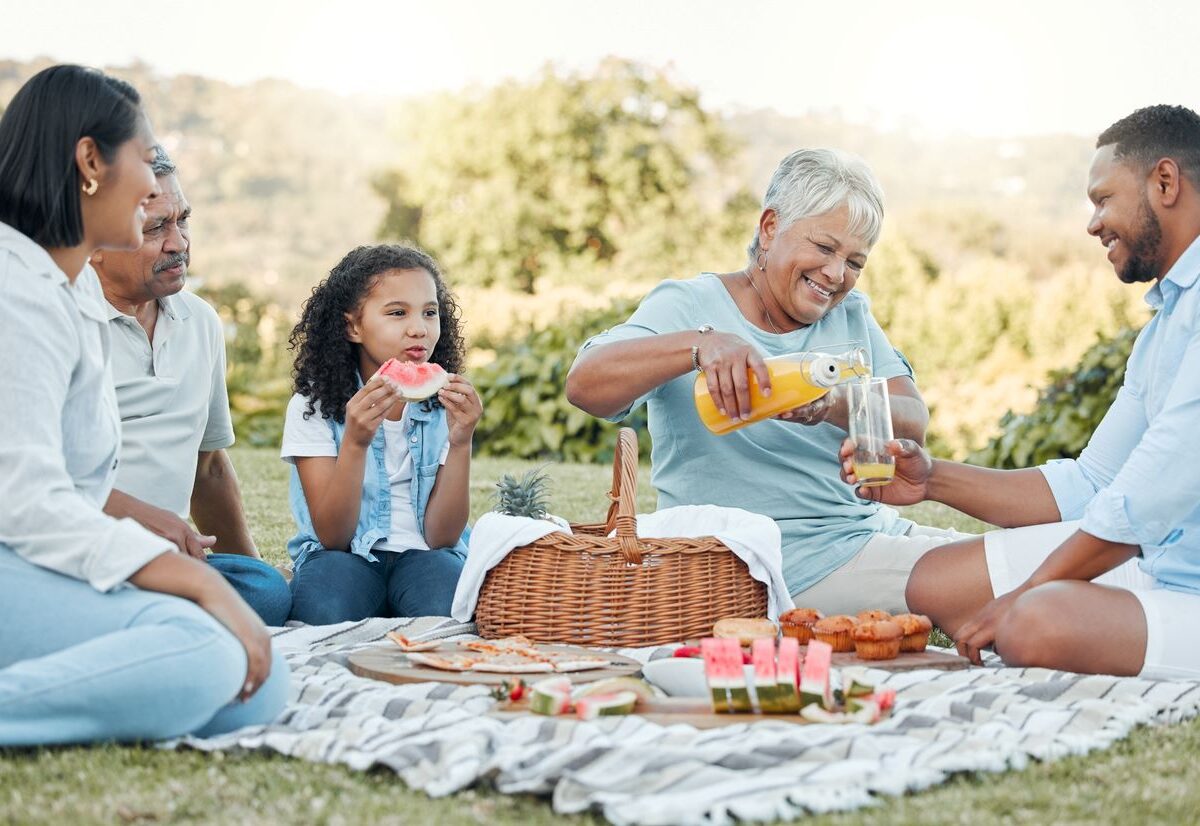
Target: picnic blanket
<point>436,736</point>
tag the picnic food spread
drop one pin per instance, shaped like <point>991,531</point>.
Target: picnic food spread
<point>750,670</point>
<point>783,686</point>
<point>872,635</point>
<point>555,696</point>
<point>512,655</point>
<point>417,380</point>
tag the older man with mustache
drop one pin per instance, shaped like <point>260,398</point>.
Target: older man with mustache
<point>168,364</point>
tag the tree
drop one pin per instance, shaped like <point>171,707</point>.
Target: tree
<point>566,176</point>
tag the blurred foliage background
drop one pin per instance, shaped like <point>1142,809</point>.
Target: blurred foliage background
<point>555,203</point>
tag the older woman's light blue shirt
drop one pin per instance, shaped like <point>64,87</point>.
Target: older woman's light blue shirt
<point>1138,479</point>
<point>786,471</point>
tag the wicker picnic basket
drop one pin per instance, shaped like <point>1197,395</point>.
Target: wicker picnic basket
<point>590,589</point>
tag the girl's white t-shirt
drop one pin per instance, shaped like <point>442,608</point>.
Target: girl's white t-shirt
<point>312,437</point>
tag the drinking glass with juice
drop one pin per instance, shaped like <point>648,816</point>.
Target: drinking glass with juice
<point>870,430</point>
<point>796,380</point>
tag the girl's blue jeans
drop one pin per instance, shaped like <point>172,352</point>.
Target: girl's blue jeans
<point>79,666</point>
<point>336,586</point>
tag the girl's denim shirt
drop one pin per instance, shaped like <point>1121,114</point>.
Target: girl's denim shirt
<point>427,433</point>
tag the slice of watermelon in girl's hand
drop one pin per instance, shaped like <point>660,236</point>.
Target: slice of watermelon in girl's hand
<point>416,381</point>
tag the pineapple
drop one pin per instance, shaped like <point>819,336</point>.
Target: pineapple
<point>526,496</point>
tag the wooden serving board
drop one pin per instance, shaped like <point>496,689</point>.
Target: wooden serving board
<point>389,663</point>
<point>669,711</point>
<point>907,661</point>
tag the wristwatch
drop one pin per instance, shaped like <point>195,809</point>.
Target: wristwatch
<point>702,329</point>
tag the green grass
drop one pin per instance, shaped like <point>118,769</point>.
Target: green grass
<point>1151,777</point>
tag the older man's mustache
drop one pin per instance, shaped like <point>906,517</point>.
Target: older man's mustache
<point>173,260</point>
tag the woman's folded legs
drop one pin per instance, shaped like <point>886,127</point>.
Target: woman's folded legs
<point>77,665</point>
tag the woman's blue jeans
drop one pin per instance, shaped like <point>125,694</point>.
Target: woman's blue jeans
<point>336,586</point>
<point>79,666</point>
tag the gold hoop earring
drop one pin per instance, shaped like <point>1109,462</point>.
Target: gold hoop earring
<point>761,261</point>
<point>90,187</point>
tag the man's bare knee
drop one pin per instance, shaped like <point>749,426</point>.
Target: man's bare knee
<point>919,591</point>
<point>1029,633</point>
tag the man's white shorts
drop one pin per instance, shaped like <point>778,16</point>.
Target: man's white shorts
<point>1171,616</point>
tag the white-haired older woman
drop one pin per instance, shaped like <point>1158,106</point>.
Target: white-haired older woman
<point>821,215</point>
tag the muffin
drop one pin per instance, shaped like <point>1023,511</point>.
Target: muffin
<point>745,631</point>
<point>916,628</point>
<point>799,623</point>
<point>836,630</point>
<point>877,640</point>
<point>873,616</point>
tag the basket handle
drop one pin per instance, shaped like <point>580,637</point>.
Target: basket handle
<point>622,512</point>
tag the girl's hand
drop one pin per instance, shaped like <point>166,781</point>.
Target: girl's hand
<point>367,407</point>
<point>911,482</point>
<point>725,359</point>
<point>463,409</point>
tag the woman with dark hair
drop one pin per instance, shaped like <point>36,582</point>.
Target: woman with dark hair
<point>105,632</point>
<point>380,486</point>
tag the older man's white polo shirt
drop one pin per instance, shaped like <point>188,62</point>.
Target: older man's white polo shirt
<point>172,398</point>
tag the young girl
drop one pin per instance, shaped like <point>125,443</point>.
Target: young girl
<point>379,487</point>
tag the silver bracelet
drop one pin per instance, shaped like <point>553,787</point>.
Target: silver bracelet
<point>702,329</point>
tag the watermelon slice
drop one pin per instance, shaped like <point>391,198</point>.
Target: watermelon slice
<point>814,680</point>
<point>417,380</point>
<point>604,705</point>
<point>550,696</point>
<point>718,673</point>
<point>739,694</point>
<point>817,714</point>
<point>763,653</point>
<point>853,689</point>
<point>787,676</point>
<point>644,691</point>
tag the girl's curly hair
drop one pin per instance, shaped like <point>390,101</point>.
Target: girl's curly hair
<point>326,367</point>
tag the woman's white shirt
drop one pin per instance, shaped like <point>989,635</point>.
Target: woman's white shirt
<point>60,430</point>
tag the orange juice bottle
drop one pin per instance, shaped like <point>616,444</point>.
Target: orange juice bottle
<point>796,380</point>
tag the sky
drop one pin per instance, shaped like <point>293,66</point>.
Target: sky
<point>1011,68</point>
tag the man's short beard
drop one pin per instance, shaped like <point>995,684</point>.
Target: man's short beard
<point>1145,256</point>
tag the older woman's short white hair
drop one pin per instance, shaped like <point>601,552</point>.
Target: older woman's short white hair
<point>812,182</point>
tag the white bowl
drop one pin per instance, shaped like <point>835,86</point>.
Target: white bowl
<point>684,677</point>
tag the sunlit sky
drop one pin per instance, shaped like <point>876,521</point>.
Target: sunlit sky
<point>1015,67</point>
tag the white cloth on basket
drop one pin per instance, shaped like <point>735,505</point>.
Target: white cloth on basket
<point>754,538</point>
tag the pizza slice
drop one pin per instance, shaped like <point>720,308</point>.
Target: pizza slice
<point>508,645</point>
<point>570,661</point>
<point>407,645</point>
<point>444,662</point>
<point>513,663</point>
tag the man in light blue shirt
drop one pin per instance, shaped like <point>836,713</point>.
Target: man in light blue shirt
<point>1100,572</point>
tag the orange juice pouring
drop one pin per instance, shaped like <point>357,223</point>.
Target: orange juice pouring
<point>796,380</point>
<point>870,431</point>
